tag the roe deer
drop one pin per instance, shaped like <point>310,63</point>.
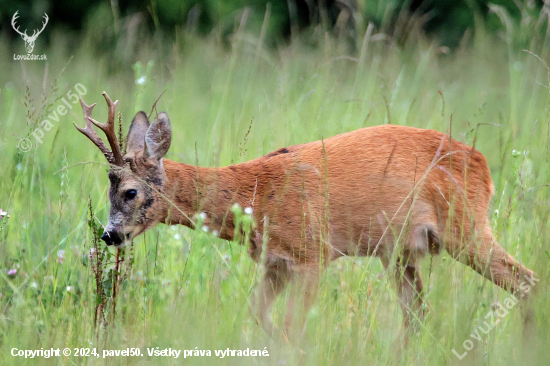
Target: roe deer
<point>366,192</point>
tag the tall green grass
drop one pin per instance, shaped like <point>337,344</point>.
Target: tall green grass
<point>187,289</point>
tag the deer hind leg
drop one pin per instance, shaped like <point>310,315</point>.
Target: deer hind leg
<point>489,259</point>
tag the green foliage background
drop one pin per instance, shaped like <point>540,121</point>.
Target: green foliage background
<point>187,289</point>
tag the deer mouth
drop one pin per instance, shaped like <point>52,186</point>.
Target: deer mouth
<point>128,237</point>
<point>123,244</point>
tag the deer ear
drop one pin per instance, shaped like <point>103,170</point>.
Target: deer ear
<point>135,141</point>
<point>158,137</point>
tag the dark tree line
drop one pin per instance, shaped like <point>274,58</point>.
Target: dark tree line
<point>446,20</point>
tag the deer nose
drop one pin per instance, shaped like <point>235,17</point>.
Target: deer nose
<point>112,237</point>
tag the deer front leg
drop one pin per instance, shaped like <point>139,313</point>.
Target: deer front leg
<point>272,284</point>
<point>304,287</point>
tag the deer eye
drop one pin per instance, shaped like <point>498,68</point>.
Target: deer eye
<point>130,194</point>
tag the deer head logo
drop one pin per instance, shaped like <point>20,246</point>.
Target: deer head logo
<point>29,40</point>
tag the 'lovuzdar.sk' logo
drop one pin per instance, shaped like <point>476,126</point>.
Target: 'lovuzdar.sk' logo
<point>29,40</point>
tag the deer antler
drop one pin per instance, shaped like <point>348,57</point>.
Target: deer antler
<point>35,34</point>
<point>15,16</point>
<point>113,156</point>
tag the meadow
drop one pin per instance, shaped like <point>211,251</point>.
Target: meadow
<point>229,102</point>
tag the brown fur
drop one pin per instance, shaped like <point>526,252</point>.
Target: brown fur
<point>383,184</point>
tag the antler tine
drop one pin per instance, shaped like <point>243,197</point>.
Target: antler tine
<point>89,131</point>
<point>109,128</point>
<point>13,24</point>
<point>44,23</point>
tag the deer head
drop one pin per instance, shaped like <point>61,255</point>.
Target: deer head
<point>29,40</point>
<point>137,178</point>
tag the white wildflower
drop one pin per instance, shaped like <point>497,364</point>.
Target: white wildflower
<point>60,256</point>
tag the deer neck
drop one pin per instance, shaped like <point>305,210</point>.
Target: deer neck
<point>193,190</point>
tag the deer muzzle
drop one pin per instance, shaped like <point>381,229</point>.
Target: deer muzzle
<point>112,237</point>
